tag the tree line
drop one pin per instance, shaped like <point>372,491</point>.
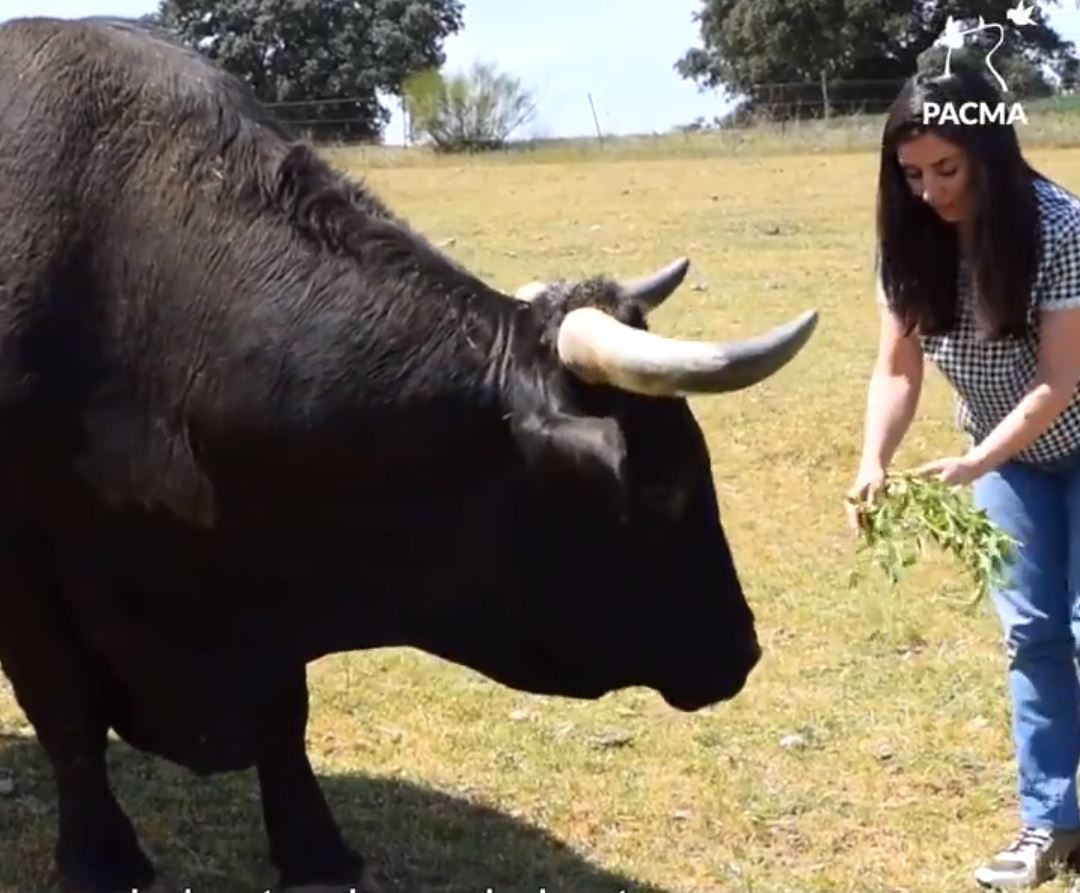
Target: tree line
<point>324,64</point>
<point>854,53</point>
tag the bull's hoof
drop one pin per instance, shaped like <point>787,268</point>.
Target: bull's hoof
<point>157,885</point>
<point>366,884</point>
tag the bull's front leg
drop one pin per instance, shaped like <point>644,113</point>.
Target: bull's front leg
<point>97,850</point>
<point>306,845</point>
<point>59,688</point>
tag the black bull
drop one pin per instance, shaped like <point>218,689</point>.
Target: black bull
<point>249,418</point>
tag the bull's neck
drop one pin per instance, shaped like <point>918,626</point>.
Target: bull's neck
<point>441,374</point>
<point>489,324</point>
<point>474,358</point>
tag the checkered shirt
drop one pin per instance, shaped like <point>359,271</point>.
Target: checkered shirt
<point>992,377</point>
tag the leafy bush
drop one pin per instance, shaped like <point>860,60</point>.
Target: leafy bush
<point>473,112</point>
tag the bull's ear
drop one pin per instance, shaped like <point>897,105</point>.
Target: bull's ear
<point>583,451</point>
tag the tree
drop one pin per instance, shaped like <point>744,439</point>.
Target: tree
<point>470,112</point>
<point>326,60</point>
<point>870,44</point>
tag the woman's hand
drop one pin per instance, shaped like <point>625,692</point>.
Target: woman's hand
<point>868,482</point>
<point>954,470</point>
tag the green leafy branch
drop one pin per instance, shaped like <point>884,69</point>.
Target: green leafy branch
<point>911,511</point>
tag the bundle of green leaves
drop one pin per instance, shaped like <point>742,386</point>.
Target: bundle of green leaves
<point>911,511</point>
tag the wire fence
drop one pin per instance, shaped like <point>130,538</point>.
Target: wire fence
<point>792,99</point>
<point>339,118</point>
<point>802,100</point>
<point>348,119</point>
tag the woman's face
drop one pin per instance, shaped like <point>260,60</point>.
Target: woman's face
<point>938,172</point>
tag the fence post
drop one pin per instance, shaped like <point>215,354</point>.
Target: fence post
<point>596,121</point>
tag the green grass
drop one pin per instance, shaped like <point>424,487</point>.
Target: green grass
<point>870,752</point>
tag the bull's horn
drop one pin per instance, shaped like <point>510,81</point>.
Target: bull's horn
<point>653,290</point>
<point>600,349</point>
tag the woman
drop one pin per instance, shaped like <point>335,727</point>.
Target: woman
<point>979,271</point>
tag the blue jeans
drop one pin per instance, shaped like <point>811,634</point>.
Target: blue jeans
<point>1039,609</point>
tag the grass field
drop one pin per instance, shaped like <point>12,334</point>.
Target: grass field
<point>869,752</point>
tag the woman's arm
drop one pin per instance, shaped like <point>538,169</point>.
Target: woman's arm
<point>1057,373</point>
<point>1049,396</point>
<point>893,393</point>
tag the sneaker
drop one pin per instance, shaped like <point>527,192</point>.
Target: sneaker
<point>1035,856</point>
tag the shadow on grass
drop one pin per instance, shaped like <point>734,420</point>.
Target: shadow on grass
<point>207,834</point>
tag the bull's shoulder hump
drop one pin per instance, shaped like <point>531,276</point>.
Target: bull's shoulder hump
<point>113,49</point>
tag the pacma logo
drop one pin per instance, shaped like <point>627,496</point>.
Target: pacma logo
<point>978,112</point>
<point>973,113</point>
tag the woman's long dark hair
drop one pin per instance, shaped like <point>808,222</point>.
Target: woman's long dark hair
<point>918,252</point>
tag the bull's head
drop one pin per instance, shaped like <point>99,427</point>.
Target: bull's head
<point>615,534</point>
<point>601,349</point>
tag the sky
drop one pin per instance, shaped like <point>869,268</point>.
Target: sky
<point>563,51</point>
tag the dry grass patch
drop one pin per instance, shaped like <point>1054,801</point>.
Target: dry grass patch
<point>870,751</point>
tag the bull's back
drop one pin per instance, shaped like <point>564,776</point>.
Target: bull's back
<point>87,107</point>
<point>112,141</point>
<point>46,126</point>
<point>124,161</point>
<point>66,89</point>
